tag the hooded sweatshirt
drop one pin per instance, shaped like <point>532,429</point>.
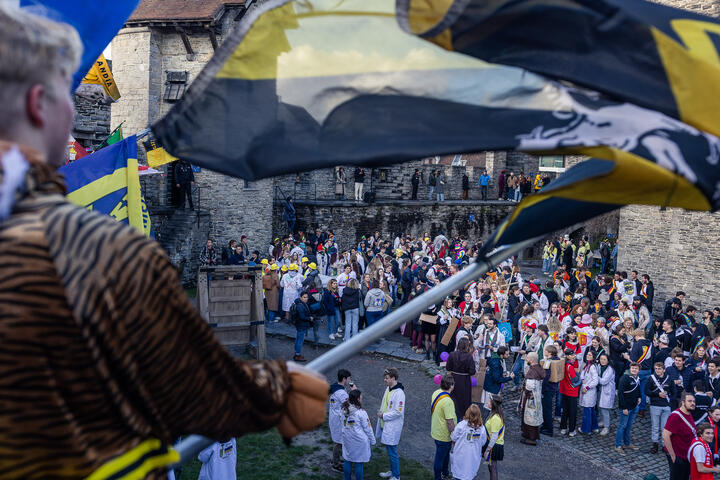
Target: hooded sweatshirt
<point>375,300</point>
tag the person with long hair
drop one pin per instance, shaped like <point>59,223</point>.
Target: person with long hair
<point>495,427</point>
<point>588,394</point>
<point>461,365</point>
<point>357,436</point>
<point>606,391</point>
<point>350,304</point>
<point>469,437</point>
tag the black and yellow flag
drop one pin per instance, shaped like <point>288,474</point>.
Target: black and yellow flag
<point>662,58</point>
<point>312,83</point>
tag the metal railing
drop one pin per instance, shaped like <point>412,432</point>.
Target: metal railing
<point>328,362</point>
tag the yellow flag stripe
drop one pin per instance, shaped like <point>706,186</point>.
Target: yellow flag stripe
<point>658,186</point>
<point>695,83</point>
<point>111,469</point>
<point>135,217</point>
<point>101,187</point>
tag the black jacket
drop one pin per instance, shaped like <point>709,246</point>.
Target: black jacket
<point>638,351</point>
<point>304,319</point>
<point>350,299</point>
<point>712,385</point>
<point>653,391</point>
<point>628,392</point>
<point>184,173</point>
<point>617,348</point>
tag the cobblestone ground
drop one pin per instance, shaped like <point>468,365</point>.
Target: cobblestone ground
<point>552,458</point>
<point>594,448</point>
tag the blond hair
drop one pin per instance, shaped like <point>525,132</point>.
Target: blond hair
<point>33,50</point>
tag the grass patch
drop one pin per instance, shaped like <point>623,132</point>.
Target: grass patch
<point>264,456</point>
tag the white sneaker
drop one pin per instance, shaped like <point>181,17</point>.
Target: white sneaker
<point>332,336</point>
<point>604,431</point>
<point>563,431</point>
<point>394,478</point>
<point>387,474</point>
<point>572,434</point>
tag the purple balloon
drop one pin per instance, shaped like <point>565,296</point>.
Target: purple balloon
<point>473,381</point>
<point>437,379</point>
<point>444,356</point>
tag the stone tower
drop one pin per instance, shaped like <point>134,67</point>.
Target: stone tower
<point>679,250</point>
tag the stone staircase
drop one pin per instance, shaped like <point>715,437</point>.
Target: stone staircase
<point>182,234</point>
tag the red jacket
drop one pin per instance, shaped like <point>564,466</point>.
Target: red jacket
<point>565,387</point>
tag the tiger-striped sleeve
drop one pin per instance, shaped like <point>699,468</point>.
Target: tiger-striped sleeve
<point>159,359</point>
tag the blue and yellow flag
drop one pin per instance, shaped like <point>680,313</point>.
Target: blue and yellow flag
<point>654,56</point>
<point>107,182</point>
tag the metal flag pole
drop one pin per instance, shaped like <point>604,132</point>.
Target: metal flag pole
<point>328,361</point>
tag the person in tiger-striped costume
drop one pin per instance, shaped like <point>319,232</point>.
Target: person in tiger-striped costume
<point>103,360</point>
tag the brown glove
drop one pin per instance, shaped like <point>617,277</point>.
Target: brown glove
<point>305,409</point>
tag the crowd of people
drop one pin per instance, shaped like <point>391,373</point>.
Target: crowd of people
<point>577,345</point>
<point>510,186</point>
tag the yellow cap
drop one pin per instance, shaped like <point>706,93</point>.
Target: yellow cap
<point>427,239</point>
<point>264,261</point>
<point>292,267</point>
<point>304,259</point>
<point>312,266</point>
<point>284,268</point>
<point>273,266</point>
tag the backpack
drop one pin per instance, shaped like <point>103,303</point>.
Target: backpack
<point>575,381</point>
<point>294,317</point>
<point>556,370</point>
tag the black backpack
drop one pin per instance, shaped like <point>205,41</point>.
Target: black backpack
<point>294,317</point>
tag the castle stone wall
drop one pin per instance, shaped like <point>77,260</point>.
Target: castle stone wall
<point>679,250</point>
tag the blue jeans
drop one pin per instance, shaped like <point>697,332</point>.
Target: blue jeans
<point>431,190</point>
<point>658,418</point>
<point>352,317</point>
<point>299,339</point>
<point>484,191</point>
<point>347,470</point>
<point>518,195</point>
<point>372,317</point>
<point>334,322</point>
<point>547,406</point>
<point>270,316</point>
<point>547,265</point>
<point>440,197</point>
<point>643,376</point>
<point>518,371</point>
<point>603,265</point>
<point>441,464</point>
<point>624,425</point>
<point>589,420</point>
<point>558,403</point>
<point>394,460</point>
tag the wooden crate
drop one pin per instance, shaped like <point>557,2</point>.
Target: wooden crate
<point>230,303</point>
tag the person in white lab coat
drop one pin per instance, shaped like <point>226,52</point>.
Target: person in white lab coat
<point>336,417</point>
<point>390,420</point>
<point>357,436</point>
<point>469,437</point>
<point>218,461</point>
<point>291,283</point>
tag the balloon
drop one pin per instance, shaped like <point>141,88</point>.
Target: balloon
<point>473,381</point>
<point>444,356</point>
<point>437,378</point>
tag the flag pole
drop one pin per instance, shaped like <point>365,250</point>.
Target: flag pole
<point>104,142</point>
<point>328,361</point>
